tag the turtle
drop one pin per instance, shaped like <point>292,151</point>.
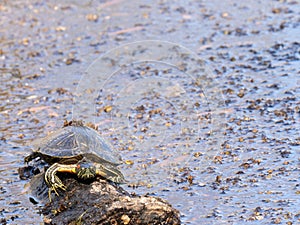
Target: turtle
<point>80,150</point>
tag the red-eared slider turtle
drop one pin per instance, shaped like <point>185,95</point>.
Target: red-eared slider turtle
<point>80,150</point>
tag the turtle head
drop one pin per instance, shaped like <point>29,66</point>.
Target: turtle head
<point>85,171</point>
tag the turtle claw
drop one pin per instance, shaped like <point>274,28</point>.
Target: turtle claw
<point>53,181</point>
<point>49,194</point>
<point>55,187</point>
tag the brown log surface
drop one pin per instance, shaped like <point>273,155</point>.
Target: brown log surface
<point>101,202</point>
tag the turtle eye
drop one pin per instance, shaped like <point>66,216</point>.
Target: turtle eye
<point>78,169</point>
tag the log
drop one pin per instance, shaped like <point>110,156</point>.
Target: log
<point>100,202</point>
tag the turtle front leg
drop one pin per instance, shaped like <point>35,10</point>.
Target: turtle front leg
<point>52,180</point>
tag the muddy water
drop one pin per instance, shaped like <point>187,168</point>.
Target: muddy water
<point>252,52</point>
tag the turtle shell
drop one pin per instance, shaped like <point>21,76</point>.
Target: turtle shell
<point>75,142</point>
